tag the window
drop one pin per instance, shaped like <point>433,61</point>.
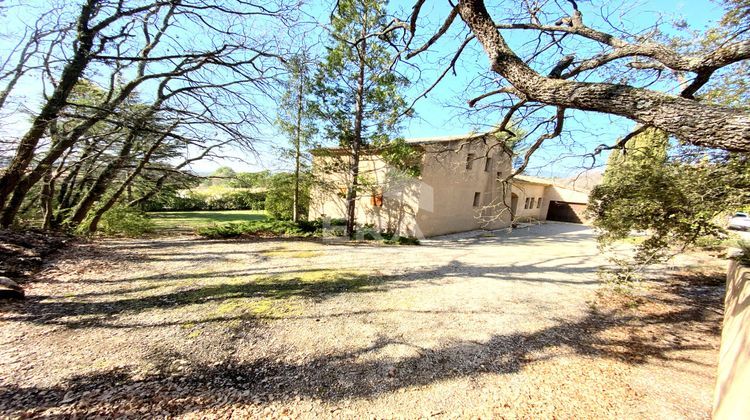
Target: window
<point>531,203</point>
<point>539,203</point>
<point>470,160</point>
<point>526,203</point>
<point>377,200</point>
<point>488,164</point>
<point>477,197</point>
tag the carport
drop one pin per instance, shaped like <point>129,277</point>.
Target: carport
<point>564,211</point>
<point>554,202</point>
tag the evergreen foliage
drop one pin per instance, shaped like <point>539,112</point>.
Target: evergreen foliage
<point>673,194</point>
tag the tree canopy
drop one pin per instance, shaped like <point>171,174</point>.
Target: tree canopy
<point>672,194</point>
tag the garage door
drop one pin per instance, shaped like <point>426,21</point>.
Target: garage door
<point>562,211</point>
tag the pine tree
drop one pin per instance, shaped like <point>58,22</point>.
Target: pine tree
<point>296,120</point>
<point>359,93</point>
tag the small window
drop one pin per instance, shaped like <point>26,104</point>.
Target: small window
<point>477,197</point>
<point>377,200</point>
<point>470,160</point>
<point>488,164</point>
<point>526,203</point>
<point>539,203</point>
<point>531,203</point>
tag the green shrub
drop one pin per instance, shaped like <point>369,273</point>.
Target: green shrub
<point>404,240</point>
<point>125,221</point>
<point>310,226</point>
<point>289,229</point>
<point>280,197</point>
<point>369,233</point>
<point>283,228</point>
<point>709,243</point>
<point>337,222</point>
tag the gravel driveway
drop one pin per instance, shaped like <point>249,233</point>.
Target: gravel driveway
<point>495,325</point>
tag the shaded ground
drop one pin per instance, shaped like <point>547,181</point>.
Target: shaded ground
<point>22,253</point>
<point>182,222</point>
<point>511,325</point>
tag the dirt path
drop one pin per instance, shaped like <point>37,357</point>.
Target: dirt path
<point>502,325</point>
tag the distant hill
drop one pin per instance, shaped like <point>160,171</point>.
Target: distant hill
<point>584,181</point>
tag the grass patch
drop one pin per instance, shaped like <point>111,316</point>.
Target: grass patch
<point>195,334</point>
<point>290,253</point>
<point>192,220</point>
<point>274,296</point>
<point>633,240</point>
<point>263,308</point>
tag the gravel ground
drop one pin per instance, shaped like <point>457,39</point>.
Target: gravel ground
<point>499,325</point>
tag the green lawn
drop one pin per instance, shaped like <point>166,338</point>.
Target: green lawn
<point>190,220</point>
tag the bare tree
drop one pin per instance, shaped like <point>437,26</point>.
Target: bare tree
<point>211,85</point>
<point>565,85</point>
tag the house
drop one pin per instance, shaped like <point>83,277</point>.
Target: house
<point>543,199</point>
<point>459,188</point>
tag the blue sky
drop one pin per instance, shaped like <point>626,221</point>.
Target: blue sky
<point>443,112</point>
<point>561,157</point>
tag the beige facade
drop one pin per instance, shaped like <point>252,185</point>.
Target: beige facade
<point>733,382</point>
<point>540,199</point>
<point>459,189</point>
<point>528,199</point>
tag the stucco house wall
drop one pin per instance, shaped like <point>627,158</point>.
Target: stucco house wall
<point>733,382</point>
<point>440,201</point>
<point>400,198</point>
<point>454,187</point>
<point>535,193</point>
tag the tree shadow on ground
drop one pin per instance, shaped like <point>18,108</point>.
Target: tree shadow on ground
<point>130,296</point>
<point>180,388</point>
<point>77,313</point>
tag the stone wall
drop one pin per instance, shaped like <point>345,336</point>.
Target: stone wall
<point>732,395</point>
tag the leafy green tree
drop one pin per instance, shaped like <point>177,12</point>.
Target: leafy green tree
<point>358,92</point>
<point>674,195</point>
<point>281,190</point>
<point>222,176</point>
<point>251,179</point>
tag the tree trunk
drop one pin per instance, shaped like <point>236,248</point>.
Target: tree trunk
<point>300,92</point>
<point>24,153</point>
<point>94,225</point>
<point>102,182</point>
<point>48,191</point>
<point>698,123</point>
<point>24,184</point>
<point>351,197</point>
